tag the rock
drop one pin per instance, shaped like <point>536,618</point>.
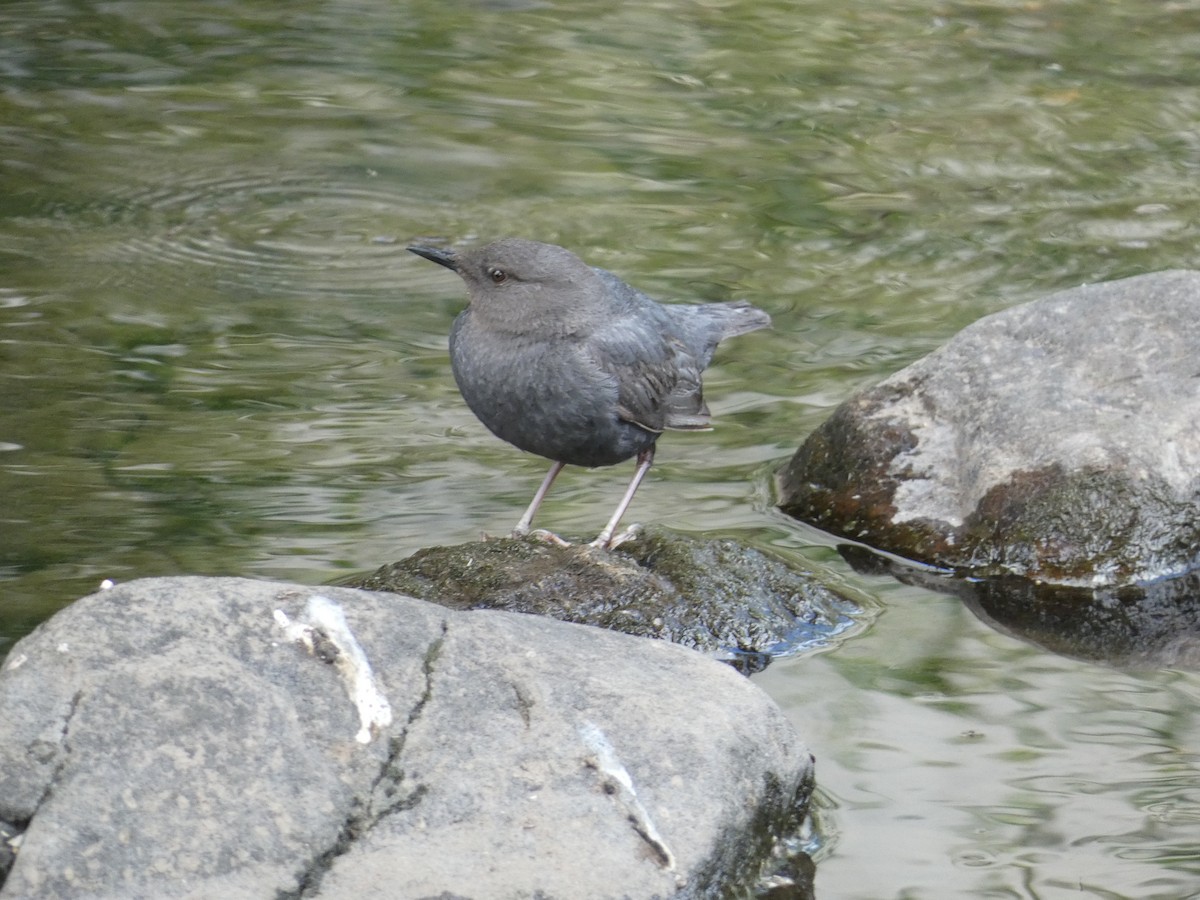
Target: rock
<point>711,595</point>
<point>212,737</point>
<point>1055,441</point>
<point>10,836</point>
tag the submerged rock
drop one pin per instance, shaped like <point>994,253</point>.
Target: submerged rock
<point>1057,441</point>
<point>712,595</point>
<point>219,737</point>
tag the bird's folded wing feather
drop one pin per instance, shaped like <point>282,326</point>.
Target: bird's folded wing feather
<point>658,383</point>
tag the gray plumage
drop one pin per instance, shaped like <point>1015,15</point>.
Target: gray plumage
<point>571,363</point>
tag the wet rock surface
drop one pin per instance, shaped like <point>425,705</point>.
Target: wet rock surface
<point>711,595</point>
<point>209,737</point>
<point>1056,441</point>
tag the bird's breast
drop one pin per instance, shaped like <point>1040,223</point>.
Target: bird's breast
<point>542,395</point>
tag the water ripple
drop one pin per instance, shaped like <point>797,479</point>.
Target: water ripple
<point>284,234</point>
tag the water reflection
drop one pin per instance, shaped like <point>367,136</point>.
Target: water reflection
<point>1032,773</point>
<point>1155,625</point>
<point>1137,626</point>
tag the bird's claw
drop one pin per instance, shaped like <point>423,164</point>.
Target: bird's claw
<point>612,543</point>
<point>629,534</point>
<point>546,537</point>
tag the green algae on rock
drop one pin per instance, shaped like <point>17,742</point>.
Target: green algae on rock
<point>705,594</point>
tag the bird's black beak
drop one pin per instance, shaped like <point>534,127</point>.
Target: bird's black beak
<point>442,257</point>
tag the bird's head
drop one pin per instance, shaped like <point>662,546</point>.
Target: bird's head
<point>516,282</point>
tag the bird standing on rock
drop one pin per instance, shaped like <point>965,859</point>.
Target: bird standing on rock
<point>571,363</point>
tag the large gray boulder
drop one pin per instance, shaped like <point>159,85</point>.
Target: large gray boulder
<point>1057,441</point>
<point>204,737</point>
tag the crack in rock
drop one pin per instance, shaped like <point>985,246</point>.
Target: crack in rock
<point>12,832</point>
<point>391,775</point>
<point>63,752</point>
<point>364,815</point>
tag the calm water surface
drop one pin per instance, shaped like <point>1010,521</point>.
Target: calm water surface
<point>215,356</point>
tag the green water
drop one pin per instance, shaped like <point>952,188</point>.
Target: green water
<point>216,357</point>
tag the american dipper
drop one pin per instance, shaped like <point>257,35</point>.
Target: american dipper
<point>571,363</point>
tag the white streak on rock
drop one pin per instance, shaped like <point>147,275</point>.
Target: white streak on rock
<point>325,623</point>
<point>621,784</point>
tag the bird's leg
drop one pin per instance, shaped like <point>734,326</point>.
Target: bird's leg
<point>644,460</point>
<point>522,528</point>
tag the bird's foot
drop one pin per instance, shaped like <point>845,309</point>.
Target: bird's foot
<point>546,537</point>
<point>612,543</point>
<point>633,532</point>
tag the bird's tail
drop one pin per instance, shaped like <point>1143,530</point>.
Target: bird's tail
<point>737,317</point>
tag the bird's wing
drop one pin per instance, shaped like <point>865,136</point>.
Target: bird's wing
<point>657,356</point>
<point>658,383</point>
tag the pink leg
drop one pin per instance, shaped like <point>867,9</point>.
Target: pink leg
<point>644,460</point>
<point>522,528</point>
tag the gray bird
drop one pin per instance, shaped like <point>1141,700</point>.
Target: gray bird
<point>571,363</point>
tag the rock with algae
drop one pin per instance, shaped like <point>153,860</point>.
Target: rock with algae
<point>1055,441</point>
<point>707,594</point>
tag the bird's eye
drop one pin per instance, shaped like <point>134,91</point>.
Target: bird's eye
<point>498,276</point>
